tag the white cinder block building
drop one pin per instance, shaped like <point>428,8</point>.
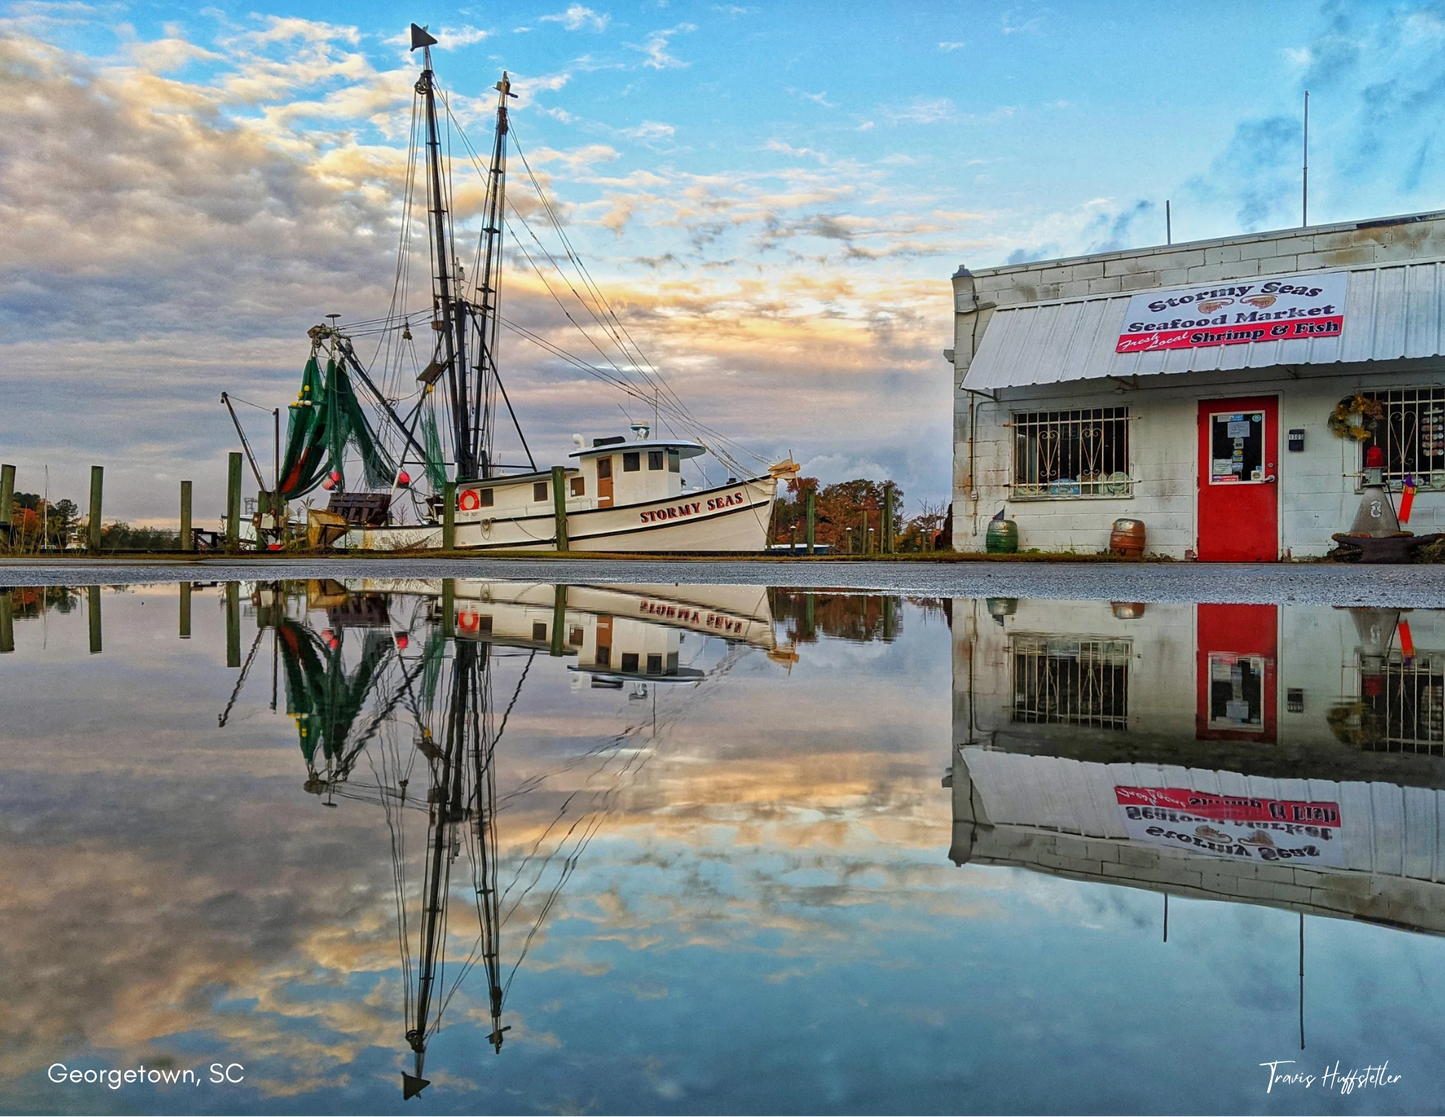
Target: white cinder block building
<point>1191,387</point>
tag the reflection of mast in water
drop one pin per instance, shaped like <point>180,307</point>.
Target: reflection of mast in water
<point>467,750</point>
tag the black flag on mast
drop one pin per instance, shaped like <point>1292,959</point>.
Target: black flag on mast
<point>420,38</point>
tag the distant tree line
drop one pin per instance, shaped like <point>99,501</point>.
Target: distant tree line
<point>37,525</point>
<point>848,517</point>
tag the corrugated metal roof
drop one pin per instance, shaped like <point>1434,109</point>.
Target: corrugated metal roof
<point>1391,311</point>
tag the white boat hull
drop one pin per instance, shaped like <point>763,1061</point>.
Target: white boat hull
<point>729,518</point>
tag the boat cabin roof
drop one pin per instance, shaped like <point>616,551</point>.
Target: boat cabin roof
<point>684,448</point>
<point>509,478</point>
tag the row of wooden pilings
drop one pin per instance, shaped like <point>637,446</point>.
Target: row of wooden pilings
<point>97,490</point>
<point>93,619</point>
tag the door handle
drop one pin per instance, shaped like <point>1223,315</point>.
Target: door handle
<point>1270,479</point>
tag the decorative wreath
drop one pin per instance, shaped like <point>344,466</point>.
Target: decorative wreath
<point>1355,417</point>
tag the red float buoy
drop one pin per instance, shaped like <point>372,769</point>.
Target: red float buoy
<point>403,479</point>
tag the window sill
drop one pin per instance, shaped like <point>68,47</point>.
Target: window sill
<point>1083,492</point>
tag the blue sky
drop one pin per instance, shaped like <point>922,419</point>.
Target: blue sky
<point>773,196</point>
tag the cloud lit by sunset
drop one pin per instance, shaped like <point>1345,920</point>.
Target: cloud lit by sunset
<point>772,198</point>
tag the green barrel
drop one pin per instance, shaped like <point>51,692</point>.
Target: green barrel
<point>1002,537</point>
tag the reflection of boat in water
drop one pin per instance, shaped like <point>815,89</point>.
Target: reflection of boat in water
<point>394,702</point>
<point>1104,744</point>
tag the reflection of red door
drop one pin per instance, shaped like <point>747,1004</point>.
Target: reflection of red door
<point>1236,673</point>
<point>1238,496</point>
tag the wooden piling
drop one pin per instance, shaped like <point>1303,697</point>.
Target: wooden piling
<point>97,484</point>
<point>7,622</point>
<point>449,606</point>
<point>812,519</point>
<point>559,620</point>
<point>7,496</point>
<point>559,504</point>
<point>188,537</point>
<point>93,616</point>
<point>449,517</point>
<point>233,624</point>
<point>233,504</point>
<point>185,610</point>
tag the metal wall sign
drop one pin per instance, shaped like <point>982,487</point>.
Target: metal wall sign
<point>1236,312</point>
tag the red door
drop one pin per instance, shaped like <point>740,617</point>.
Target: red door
<point>1236,673</point>
<point>1238,496</point>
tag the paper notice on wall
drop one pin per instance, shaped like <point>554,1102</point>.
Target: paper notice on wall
<point>1236,312</point>
<point>1243,828</point>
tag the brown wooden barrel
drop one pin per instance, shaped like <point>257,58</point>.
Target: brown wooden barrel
<point>1127,539</point>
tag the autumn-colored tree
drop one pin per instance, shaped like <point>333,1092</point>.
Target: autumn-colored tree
<point>842,510</point>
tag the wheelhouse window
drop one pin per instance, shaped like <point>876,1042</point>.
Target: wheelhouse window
<point>674,461</point>
<point>1083,452</point>
<point>579,486</point>
<point>539,490</point>
<point>632,462</point>
<point>604,469</point>
<point>489,498</point>
<point>654,459</point>
<point>1412,435</point>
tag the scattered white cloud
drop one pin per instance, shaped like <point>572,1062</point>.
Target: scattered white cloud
<point>578,18</point>
<point>950,46</point>
<point>461,37</point>
<point>656,48</point>
<point>816,98</point>
<point>924,110</point>
<point>650,130</point>
<point>1013,25</point>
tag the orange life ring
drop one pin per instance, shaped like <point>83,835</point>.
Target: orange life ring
<point>468,621</point>
<point>469,501</point>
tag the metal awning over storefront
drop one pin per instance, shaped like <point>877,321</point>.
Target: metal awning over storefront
<point>1391,311</point>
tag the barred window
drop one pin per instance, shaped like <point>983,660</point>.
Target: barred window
<point>1066,681</point>
<point>1412,435</point>
<point>1072,453</point>
<point>1405,710</point>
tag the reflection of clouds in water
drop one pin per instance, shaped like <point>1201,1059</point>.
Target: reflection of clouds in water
<point>188,895</point>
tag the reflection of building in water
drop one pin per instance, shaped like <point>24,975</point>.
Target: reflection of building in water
<point>1289,756</point>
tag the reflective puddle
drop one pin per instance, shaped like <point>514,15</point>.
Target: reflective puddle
<point>496,847</point>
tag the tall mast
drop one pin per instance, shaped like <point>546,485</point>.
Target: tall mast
<point>489,283</point>
<point>451,322</point>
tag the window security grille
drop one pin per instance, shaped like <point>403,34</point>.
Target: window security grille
<point>1072,453</point>
<point>1072,682</point>
<point>1407,713</point>
<point>1412,434</point>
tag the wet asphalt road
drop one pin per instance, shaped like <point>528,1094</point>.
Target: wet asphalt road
<point>1321,584</point>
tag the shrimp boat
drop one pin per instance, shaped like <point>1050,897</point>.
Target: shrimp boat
<point>422,418</point>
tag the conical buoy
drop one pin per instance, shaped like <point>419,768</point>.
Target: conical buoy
<point>403,479</point>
